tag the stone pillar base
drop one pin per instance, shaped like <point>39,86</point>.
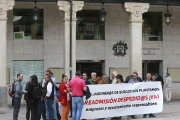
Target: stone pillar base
<point>3,97</point>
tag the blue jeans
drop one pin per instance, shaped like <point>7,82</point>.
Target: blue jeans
<point>49,105</point>
<point>47,113</point>
<point>54,107</point>
<point>77,106</point>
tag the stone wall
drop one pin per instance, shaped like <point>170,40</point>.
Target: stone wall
<point>50,50</point>
<point>117,29</point>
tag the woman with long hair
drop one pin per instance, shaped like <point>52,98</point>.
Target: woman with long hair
<point>119,79</point>
<point>97,80</point>
<point>65,98</point>
<point>33,102</point>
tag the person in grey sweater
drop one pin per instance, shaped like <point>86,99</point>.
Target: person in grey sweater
<point>18,95</point>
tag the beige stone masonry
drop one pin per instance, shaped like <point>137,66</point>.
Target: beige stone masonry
<point>5,5</point>
<point>65,6</point>
<point>135,11</point>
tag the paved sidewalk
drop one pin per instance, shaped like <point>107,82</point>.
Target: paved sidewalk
<point>171,111</point>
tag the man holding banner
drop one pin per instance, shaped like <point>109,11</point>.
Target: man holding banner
<point>123,100</point>
<point>148,79</point>
<point>134,80</point>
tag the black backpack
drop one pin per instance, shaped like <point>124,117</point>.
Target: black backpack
<point>36,93</point>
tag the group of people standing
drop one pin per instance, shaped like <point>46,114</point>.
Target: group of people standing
<point>48,100</point>
<point>57,102</point>
<point>40,97</point>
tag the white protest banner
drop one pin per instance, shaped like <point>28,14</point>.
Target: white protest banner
<point>123,99</point>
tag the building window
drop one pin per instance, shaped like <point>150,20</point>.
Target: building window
<point>25,28</point>
<point>89,26</point>
<point>152,26</point>
<point>57,73</point>
<point>28,68</point>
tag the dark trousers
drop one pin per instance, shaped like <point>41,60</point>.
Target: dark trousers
<point>71,108</point>
<point>16,103</point>
<point>34,110</point>
<point>27,110</point>
<point>42,109</point>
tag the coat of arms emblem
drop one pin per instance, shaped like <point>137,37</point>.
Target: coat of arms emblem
<point>120,49</point>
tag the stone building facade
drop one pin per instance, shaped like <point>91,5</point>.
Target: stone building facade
<point>51,50</point>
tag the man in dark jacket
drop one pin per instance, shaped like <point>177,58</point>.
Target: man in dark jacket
<point>85,78</point>
<point>27,100</point>
<point>131,77</point>
<point>159,78</point>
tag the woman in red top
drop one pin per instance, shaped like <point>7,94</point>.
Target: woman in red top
<point>64,99</point>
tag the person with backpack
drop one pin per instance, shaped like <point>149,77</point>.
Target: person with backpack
<point>34,96</point>
<point>27,100</point>
<point>17,89</point>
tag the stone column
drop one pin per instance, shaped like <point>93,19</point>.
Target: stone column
<point>135,11</point>
<point>65,6</point>
<point>5,5</point>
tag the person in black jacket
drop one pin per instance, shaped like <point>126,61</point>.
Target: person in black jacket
<point>85,78</point>
<point>27,100</point>
<point>33,103</point>
<point>159,78</point>
<point>131,77</point>
<point>41,107</point>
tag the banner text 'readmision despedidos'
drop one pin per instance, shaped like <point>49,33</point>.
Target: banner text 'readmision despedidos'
<point>123,99</point>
